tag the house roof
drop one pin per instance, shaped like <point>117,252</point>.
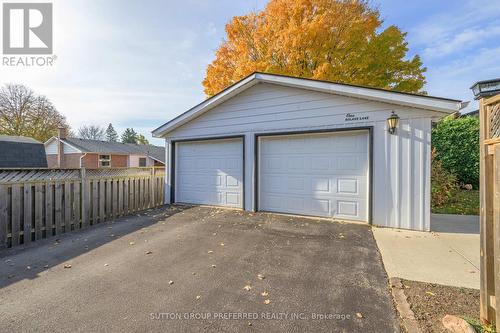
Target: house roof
<point>104,147</point>
<point>444,105</point>
<point>474,113</point>
<point>21,152</point>
<point>23,139</point>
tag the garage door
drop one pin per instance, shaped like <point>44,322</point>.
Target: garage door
<point>315,174</point>
<point>210,172</point>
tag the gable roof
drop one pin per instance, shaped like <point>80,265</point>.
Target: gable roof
<point>21,152</point>
<point>104,147</point>
<point>444,105</point>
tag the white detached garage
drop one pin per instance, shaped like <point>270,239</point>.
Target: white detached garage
<point>289,145</point>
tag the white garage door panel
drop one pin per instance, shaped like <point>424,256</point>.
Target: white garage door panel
<point>210,172</point>
<point>315,174</point>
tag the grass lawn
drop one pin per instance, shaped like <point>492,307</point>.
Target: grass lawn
<point>462,202</point>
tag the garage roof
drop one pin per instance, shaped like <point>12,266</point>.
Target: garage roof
<point>439,104</point>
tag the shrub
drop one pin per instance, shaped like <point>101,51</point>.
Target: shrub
<point>443,182</point>
<point>457,145</point>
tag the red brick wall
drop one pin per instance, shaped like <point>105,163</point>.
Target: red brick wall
<point>119,161</point>
<point>91,161</point>
<point>69,161</point>
<point>52,161</point>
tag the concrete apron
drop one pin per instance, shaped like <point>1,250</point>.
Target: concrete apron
<point>443,258</point>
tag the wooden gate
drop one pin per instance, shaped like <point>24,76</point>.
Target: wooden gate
<point>489,115</point>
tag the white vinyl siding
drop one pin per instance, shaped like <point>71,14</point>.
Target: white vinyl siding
<point>401,162</point>
<point>53,147</point>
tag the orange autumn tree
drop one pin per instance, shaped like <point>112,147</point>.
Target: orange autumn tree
<point>334,40</point>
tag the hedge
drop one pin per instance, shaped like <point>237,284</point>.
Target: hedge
<point>456,142</point>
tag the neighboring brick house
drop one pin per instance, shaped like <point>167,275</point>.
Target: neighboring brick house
<point>71,153</point>
<point>21,152</point>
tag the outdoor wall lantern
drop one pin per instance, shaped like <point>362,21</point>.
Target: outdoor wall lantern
<point>486,88</point>
<point>392,123</point>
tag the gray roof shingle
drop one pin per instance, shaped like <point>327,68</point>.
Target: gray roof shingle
<point>21,152</point>
<point>105,147</point>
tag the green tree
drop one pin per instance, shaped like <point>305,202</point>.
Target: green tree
<point>141,139</point>
<point>341,41</point>
<point>129,136</point>
<point>111,134</point>
<point>457,145</point>
<point>24,113</point>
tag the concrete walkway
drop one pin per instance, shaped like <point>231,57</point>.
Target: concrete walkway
<point>448,258</point>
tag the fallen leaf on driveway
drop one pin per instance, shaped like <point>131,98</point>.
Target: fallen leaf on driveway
<point>67,266</point>
<point>170,282</point>
<point>260,277</point>
<point>131,243</point>
<point>359,315</point>
<point>430,293</point>
<point>247,287</point>
<point>267,301</point>
<point>210,252</point>
<point>265,293</point>
<point>106,264</point>
<point>149,252</point>
<point>194,273</point>
<point>214,234</point>
<point>198,297</point>
<point>221,244</point>
<point>213,266</point>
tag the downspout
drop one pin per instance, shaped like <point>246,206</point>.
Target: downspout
<point>81,158</point>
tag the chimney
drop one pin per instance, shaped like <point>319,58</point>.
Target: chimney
<point>61,134</point>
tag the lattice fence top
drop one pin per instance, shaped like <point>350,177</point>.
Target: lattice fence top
<point>38,175</point>
<point>47,175</point>
<point>494,121</point>
<point>122,172</point>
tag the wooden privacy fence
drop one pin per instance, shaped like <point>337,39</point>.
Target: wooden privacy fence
<point>489,116</point>
<point>40,203</point>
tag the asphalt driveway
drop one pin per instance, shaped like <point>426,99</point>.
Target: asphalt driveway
<point>200,269</point>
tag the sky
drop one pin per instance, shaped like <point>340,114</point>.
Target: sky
<point>139,63</point>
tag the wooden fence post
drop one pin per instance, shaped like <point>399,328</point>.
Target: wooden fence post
<point>152,188</point>
<point>4,197</point>
<point>487,263</point>
<point>85,195</point>
<point>496,226</point>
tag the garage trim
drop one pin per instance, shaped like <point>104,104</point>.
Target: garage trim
<point>215,138</point>
<point>331,130</point>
